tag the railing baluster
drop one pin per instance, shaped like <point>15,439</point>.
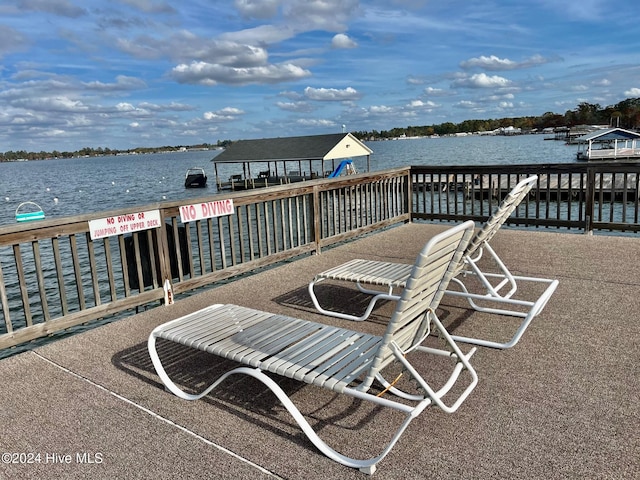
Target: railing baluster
<point>4,301</point>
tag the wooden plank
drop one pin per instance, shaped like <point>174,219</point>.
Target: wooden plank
<point>259,221</point>
<point>276,231</point>
<point>77,271</point>
<point>40,279</point>
<point>250,232</point>
<point>221,245</point>
<point>93,269</point>
<point>110,271</point>
<point>24,292</point>
<point>212,250</point>
<point>60,275</point>
<point>125,266</point>
<point>241,233</point>
<point>189,249</point>
<point>4,301</point>
<point>198,226</point>
<point>267,230</point>
<point>290,225</point>
<point>138,262</point>
<point>177,251</point>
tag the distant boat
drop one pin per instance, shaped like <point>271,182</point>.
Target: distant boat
<point>195,178</point>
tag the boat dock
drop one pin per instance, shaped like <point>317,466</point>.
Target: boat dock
<point>563,403</point>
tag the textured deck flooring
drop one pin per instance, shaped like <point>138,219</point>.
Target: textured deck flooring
<point>563,403</point>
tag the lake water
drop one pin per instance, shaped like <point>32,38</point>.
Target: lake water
<point>65,187</point>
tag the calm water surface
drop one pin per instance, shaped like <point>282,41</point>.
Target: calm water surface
<point>67,187</point>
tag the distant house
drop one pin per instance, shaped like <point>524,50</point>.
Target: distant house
<point>609,144</point>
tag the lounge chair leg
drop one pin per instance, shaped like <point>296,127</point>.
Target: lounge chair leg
<point>370,470</point>
<point>346,316</point>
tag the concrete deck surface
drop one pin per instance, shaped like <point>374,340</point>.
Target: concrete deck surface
<point>562,403</point>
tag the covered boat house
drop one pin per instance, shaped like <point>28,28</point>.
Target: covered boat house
<point>609,144</point>
<point>276,161</point>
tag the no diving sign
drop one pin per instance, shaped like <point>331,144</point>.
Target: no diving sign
<point>121,224</point>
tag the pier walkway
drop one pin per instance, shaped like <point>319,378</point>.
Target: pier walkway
<point>563,403</point>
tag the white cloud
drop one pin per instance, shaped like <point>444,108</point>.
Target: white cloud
<point>331,94</point>
<point>226,113</point>
<point>482,80</point>
<point>434,91</point>
<point>419,104</point>
<point>633,92</point>
<point>294,106</point>
<point>494,63</point>
<point>204,73</point>
<point>122,83</point>
<point>260,35</point>
<point>125,107</point>
<point>380,109</point>
<point>342,41</point>
<point>466,104</point>
<point>60,103</point>
<point>489,63</point>
<point>311,122</point>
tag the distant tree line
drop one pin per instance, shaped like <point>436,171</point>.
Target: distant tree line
<point>625,114</point>
<point>12,156</point>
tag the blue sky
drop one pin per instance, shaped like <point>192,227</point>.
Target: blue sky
<point>128,73</point>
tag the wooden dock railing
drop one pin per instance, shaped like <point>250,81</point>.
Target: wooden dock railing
<point>60,273</point>
<point>581,196</point>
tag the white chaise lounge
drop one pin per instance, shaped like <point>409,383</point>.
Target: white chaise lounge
<point>499,288</point>
<point>341,360</point>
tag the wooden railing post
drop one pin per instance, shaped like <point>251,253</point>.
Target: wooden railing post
<point>408,197</point>
<point>164,258</point>
<point>590,196</point>
<point>317,231</point>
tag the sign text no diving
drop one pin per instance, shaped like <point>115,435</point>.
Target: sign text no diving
<point>200,211</point>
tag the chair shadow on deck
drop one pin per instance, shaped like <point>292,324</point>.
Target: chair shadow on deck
<point>453,312</point>
<point>341,298</point>
<point>245,397</point>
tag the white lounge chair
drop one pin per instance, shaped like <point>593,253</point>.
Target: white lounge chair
<point>338,359</point>
<point>499,287</point>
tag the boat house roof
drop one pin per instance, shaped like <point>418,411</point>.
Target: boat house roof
<point>315,147</point>
<point>610,134</point>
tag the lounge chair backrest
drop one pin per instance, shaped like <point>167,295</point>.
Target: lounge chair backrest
<point>434,268</point>
<point>505,209</point>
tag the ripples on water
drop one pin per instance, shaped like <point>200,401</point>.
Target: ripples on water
<point>65,187</point>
